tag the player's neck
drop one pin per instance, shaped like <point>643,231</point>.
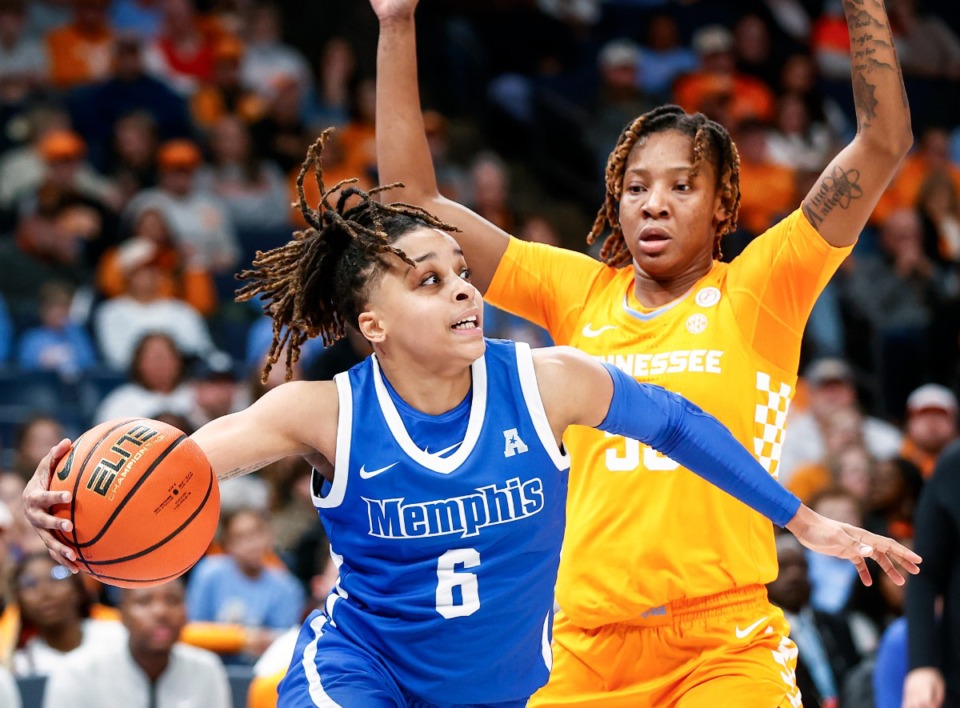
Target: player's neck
<point>655,292</point>
<point>426,390</point>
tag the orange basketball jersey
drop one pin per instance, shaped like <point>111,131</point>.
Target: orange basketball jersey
<point>641,530</point>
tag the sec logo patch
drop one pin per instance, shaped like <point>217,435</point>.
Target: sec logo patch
<point>696,323</point>
<point>708,297</point>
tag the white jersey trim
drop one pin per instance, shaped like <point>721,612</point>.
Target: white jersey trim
<point>443,465</point>
<point>309,662</point>
<point>341,466</point>
<point>531,395</point>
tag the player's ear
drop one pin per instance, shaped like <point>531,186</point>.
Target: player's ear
<point>371,326</point>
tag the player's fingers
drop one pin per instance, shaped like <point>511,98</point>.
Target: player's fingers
<point>36,505</point>
<point>887,566</point>
<point>60,553</point>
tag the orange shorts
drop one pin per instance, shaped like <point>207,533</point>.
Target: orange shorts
<point>727,649</point>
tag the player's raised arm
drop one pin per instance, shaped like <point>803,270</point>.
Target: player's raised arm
<point>577,390</point>
<point>403,154</point>
<point>842,200</point>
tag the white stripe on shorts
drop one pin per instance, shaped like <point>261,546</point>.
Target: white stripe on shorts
<point>317,694</point>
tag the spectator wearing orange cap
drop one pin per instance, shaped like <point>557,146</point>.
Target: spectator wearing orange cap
<point>200,224</point>
<point>225,93</point>
<point>59,220</point>
<point>931,425</point>
<point>80,52</point>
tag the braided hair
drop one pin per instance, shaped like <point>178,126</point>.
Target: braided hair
<point>317,283</point>
<point>711,141</point>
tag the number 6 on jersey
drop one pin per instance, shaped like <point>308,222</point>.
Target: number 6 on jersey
<point>448,578</point>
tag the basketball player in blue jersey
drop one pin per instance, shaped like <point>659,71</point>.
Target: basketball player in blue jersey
<point>445,509</point>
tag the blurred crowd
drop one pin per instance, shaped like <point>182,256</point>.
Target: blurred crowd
<point>149,149</point>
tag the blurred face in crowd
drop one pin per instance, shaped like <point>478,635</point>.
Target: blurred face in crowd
<point>152,226</point>
<point>11,26</point>
<point>154,617</point>
<point>247,539</point>
<point>902,233</point>
<point>134,140</point>
<point>48,594</point>
<point>828,396</point>
<point>40,435</point>
<point>843,428</point>
<point>931,429</point>
<point>230,140</point>
<point>159,364</point>
<point>798,74</point>
<point>791,589</point>
<point>792,118</point>
<point>91,15</point>
<point>935,149</point>
<point>839,507</point>
<point>177,180</point>
<point>853,470</point>
<point>752,39</point>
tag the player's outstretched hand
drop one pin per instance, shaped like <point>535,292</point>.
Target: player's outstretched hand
<point>389,9</point>
<point>37,500</point>
<point>833,538</point>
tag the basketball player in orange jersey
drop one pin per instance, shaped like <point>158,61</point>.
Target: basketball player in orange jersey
<point>661,582</point>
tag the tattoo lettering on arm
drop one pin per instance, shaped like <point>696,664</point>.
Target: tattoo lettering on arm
<point>838,189</point>
<point>871,51</point>
<point>238,472</point>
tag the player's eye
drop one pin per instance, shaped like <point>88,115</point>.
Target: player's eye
<point>636,188</point>
<point>430,279</point>
<point>465,274</point>
<point>683,187</point>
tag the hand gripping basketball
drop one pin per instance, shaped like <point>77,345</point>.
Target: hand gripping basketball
<point>144,502</point>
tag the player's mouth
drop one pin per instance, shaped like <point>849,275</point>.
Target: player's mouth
<point>653,240</point>
<point>468,324</point>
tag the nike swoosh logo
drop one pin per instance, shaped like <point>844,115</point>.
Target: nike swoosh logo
<point>364,474</point>
<point>444,451</point>
<point>588,330</point>
<point>68,465</point>
<point>743,633</point>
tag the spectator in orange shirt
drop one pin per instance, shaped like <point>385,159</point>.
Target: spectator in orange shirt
<point>225,95</point>
<point>769,190</point>
<point>82,51</point>
<point>931,157</point>
<point>153,242</point>
<point>931,425</point>
<point>748,97</point>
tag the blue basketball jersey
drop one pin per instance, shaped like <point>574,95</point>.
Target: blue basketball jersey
<point>447,562</point>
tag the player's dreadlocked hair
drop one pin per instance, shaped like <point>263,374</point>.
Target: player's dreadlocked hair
<point>711,141</point>
<point>317,283</point>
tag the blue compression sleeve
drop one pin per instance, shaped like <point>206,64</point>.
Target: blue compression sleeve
<point>695,439</point>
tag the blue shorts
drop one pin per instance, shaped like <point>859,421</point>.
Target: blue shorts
<point>330,671</point>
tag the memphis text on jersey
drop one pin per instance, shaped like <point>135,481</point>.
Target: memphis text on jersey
<point>464,515</point>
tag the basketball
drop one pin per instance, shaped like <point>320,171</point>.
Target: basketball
<point>145,502</point>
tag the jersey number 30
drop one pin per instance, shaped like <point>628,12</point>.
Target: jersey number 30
<point>448,580</point>
<point>630,458</point>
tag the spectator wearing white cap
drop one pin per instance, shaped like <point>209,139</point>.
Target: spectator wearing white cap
<point>931,425</point>
<point>832,386</point>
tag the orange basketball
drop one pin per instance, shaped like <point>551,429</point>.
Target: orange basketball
<point>145,502</point>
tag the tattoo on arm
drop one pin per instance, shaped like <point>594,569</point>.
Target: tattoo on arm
<point>871,51</point>
<point>838,189</point>
<point>238,472</point>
